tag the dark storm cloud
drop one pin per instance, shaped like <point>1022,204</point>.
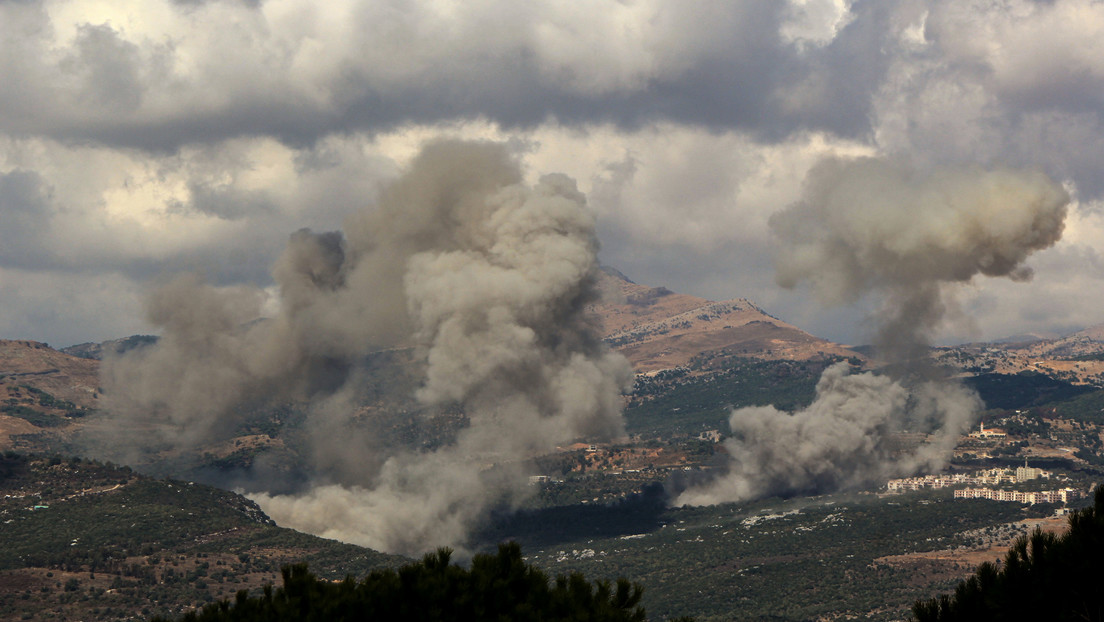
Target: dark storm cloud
<point>25,213</point>
<point>227,203</point>
<point>105,69</point>
<point>987,85</point>
<point>722,67</point>
<point>28,209</point>
<point>719,66</point>
<point>118,92</point>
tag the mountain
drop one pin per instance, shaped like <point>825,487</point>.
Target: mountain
<point>37,365</point>
<point>1076,358</point>
<point>97,351</point>
<point>1087,342</point>
<point>656,328</point>
<point>85,540</point>
<point>42,392</point>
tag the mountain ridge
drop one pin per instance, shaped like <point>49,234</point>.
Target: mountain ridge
<point>656,328</point>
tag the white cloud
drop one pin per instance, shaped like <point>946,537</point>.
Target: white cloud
<point>815,22</point>
<point>198,135</point>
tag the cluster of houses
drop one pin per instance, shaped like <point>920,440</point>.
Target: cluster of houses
<point>980,478</point>
<point>990,477</point>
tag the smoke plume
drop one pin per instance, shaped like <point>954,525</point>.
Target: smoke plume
<point>872,225</point>
<point>876,226</point>
<point>485,276</point>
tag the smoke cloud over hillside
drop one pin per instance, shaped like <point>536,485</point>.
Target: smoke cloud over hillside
<point>486,276</point>
<point>876,226</point>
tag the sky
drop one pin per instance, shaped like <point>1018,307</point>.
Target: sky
<point>142,138</point>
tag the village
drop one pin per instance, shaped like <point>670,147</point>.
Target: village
<point>986,483</point>
<point>1056,442</point>
<point>993,477</point>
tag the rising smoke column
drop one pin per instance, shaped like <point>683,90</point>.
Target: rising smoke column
<point>499,311</point>
<point>873,225</point>
<point>877,226</point>
<point>487,276</point>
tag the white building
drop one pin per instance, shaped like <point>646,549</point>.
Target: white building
<point>988,434</point>
<point>1064,495</point>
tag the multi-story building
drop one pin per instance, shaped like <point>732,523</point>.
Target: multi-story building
<point>989,477</point>
<point>1065,495</point>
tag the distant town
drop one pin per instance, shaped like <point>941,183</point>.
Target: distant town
<point>984,484</point>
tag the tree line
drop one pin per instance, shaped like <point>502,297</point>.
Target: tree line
<point>1044,576</point>
<point>498,586</point>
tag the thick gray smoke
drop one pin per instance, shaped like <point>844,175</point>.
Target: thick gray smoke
<point>486,276</point>
<point>843,440</point>
<point>876,226</point>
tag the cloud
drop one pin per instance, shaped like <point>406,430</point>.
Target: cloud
<point>163,129</point>
<point>63,308</point>
<point>985,86</point>
<point>25,215</point>
<point>159,75</point>
<point>815,23</point>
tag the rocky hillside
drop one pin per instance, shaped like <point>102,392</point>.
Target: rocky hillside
<point>1077,357</point>
<point>42,393</point>
<point>656,328</point>
<point>97,351</point>
<point>1086,343</point>
<point>37,365</point>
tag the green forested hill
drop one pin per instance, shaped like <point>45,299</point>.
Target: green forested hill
<point>677,402</point>
<point>84,540</point>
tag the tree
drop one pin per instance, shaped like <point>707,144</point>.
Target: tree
<point>1044,577</point>
<point>496,587</point>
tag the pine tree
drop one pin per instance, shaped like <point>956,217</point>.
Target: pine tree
<point>1044,577</point>
<point>498,587</point>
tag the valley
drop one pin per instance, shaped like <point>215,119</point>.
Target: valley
<point>94,536</point>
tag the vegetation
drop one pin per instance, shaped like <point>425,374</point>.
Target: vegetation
<point>38,407</point>
<point>496,587</point>
<point>35,417</point>
<point>1088,407</point>
<point>1044,577</point>
<point>84,540</point>
<point>664,406</point>
<point>93,541</point>
<point>1023,390</point>
<point>796,559</point>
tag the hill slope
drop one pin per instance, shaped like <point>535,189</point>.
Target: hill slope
<point>84,540</point>
<point>656,328</point>
<point>43,392</point>
<point>35,364</point>
<point>1077,358</point>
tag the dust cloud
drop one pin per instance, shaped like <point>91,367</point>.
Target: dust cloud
<point>876,226</point>
<point>484,276</point>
